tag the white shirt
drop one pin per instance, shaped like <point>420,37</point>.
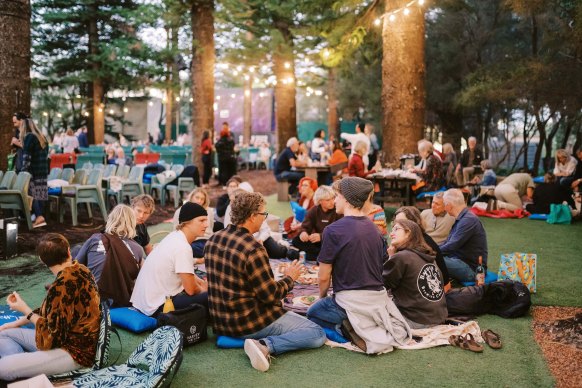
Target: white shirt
<point>159,277</point>
<point>354,139</point>
<point>317,145</point>
<point>69,144</point>
<point>263,233</point>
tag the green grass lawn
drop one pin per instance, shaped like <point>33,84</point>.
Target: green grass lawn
<point>518,364</point>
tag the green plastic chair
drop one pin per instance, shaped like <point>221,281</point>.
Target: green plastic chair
<point>1,175</point>
<point>55,174</point>
<point>8,180</point>
<point>88,193</point>
<point>17,198</point>
<point>161,188</point>
<point>67,174</point>
<point>185,185</point>
<point>132,187</point>
<point>109,170</point>
<point>123,171</point>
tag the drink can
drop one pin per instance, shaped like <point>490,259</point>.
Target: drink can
<point>302,257</point>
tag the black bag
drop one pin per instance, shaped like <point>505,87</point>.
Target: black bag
<point>466,301</point>
<point>191,321</point>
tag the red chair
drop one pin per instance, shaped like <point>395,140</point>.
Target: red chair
<point>58,160</point>
<point>146,158</point>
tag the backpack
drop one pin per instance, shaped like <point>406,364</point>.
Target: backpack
<point>505,298</point>
<point>191,321</point>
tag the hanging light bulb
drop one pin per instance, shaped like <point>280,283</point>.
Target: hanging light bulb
<point>45,114</point>
<point>392,18</point>
<point>420,2</point>
<point>406,11</point>
<point>325,53</point>
<point>239,68</point>
<point>287,65</point>
<point>59,115</point>
<point>247,93</point>
<point>110,111</point>
<point>218,98</point>
<point>191,99</point>
<point>100,110</point>
<point>377,22</point>
<point>247,77</point>
<point>215,106</point>
<point>125,110</point>
<point>251,69</point>
<point>235,73</point>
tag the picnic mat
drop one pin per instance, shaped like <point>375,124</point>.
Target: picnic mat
<point>306,290</point>
<point>502,213</point>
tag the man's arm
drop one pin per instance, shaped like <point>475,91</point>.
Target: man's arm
<point>193,284</point>
<point>324,279</point>
<point>463,232</point>
<point>148,248</point>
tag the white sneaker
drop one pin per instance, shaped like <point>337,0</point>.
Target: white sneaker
<point>258,354</point>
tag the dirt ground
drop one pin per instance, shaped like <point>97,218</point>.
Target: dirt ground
<point>261,180</point>
<point>564,359</point>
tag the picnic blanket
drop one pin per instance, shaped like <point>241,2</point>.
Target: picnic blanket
<point>292,301</point>
<point>501,213</point>
<point>425,338</point>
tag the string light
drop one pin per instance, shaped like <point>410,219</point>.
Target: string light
<point>110,111</point>
<point>406,11</point>
<point>125,110</point>
<point>251,69</point>
<point>247,93</point>
<point>59,115</point>
<point>86,114</point>
<point>215,106</point>
<point>45,114</point>
<point>377,22</point>
<point>247,77</point>
<point>191,99</point>
<point>100,110</point>
<point>239,68</point>
<point>217,98</point>
<point>235,73</point>
<point>287,65</point>
<point>233,95</point>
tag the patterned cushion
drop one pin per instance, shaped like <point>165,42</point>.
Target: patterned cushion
<point>152,364</point>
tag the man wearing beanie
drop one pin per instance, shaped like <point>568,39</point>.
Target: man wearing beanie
<point>169,268</point>
<point>352,254</point>
<point>244,298</point>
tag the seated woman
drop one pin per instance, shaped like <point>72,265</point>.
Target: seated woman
<point>110,154</point>
<point>224,200</point>
<point>414,279</point>
<point>377,215</point>
<point>449,163</point>
<point>201,197</point>
<point>338,155</point>
<point>356,165</point>
<point>432,173</point>
<point>489,177</point>
<point>565,167</point>
<point>307,187</point>
<point>548,193</point>
<point>66,324</point>
<point>113,257</point>
<point>316,220</point>
<point>411,213</point>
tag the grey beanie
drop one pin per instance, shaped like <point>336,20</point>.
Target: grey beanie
<point>355,190</point>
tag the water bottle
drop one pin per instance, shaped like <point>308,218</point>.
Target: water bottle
<point>168,305</point>
<point>302,257</point>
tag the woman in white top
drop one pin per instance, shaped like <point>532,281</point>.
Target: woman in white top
<point>70,142</point>
<point>318,146</point>
<point>201,197</point>
<point>565,167</point>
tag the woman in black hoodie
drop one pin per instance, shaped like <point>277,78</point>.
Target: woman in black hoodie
<point>413,277</point>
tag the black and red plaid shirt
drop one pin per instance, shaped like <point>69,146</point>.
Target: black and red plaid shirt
<point>243,295</point>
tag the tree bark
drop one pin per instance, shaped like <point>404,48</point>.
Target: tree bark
<point>203,58</point>
<point>333,127</point>
<point>285,104</point>
<point>14,68</point>
<point>247,110</point>
<point>97,133</point>
<point>169,88</point>
<point>403,73</point>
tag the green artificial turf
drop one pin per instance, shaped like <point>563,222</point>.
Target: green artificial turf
<point>519,364</point>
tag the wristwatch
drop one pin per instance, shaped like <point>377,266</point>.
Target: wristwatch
<point>29,315</point>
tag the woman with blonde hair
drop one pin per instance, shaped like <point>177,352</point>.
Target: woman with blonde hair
<point>113,257</point>
<point>432,173</point>
<point>34,161</point>
<point>565,167</point>
<point>200,196</point>
<point>356,166</point>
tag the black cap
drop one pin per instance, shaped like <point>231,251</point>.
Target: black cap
<point>191,210</point>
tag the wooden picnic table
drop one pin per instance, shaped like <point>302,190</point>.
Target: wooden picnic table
<point>393,188</point>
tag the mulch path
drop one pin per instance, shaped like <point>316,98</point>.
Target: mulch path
<point>558,331</point>
<point>262,181</point>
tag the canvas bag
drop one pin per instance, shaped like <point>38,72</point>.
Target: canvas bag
<point>520,267</point>
<point>559,214</point>
<point>191,321</point>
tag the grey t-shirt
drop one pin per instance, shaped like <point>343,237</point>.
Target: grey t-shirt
<point>92,254</point>
<point>356,249</point>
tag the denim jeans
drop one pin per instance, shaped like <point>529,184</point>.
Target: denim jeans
<point>459,270</point>
<point>327,313</point>
<point>198,248</point>
<point>20,358</point>
<point>290,332</point>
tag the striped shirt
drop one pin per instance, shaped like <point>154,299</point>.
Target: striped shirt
<point>243,296</point>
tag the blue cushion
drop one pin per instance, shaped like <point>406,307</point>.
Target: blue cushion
<point>429,194</point>
<point>490,277</point>
<point>132,320</point>
<point>538,216</point>
<point>7,315</point>
<point>333,335</point>
<point>147,177</point>
<point>298,211</point>
<point>539,179</point>
<point>55,190</point>
<point>226,342</point>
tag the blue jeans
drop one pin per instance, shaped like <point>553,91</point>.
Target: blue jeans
<point>327,313</point>
<point>459,270</point>
<point>290,176</point>
<point>198,248</point>
<point>290,332</point>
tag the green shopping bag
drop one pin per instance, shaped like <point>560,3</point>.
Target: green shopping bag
<point>559,214</point>
<point>11,157</point>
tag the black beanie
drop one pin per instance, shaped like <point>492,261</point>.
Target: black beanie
<point>189,211</point>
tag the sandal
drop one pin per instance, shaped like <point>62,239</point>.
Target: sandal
<point>492,339</point>
<point>467,343</point>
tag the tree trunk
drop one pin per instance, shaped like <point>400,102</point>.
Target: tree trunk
<point>285,104</point>
<point>403,72</point>
<point>247,110</point>
<point>169,89</point>
<point>14,68</point>
<point>97,133</point>
<point>203,58</point>
<point>333,127</point>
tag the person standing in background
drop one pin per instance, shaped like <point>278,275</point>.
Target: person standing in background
<point>82,137</point>
<point>206,151</point>
<point>70,142</point>
<point>16,144</point>
<point>226,155</point>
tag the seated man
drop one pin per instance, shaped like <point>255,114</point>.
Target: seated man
<point>471,157</point>
<point>143,206</point>
<point>244,298</point>
<point>436,221</point>
<point>169,269</point>
<point>316,220</point>
<point>352,253</point>
<point>467,239</point>
<point>286,161</point>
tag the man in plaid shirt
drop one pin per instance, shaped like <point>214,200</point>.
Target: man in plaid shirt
<point>244,298</point>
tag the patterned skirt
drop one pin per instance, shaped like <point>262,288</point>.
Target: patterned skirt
<point>38,189</point>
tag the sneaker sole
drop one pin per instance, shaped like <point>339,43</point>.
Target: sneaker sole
<point>258,359</point>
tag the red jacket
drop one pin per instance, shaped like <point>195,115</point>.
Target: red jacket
<point>356,167</point>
